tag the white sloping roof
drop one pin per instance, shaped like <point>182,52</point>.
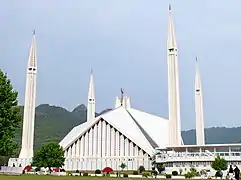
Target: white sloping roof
<point>156,127</point>
<point>71,136</point>
<point>145,130</point>
<point>120,119</point>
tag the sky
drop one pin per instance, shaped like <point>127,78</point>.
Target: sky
<point>125,43</point>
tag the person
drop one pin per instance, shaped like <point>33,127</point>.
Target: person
<point>236,172</point>
<point>230,172</point>
<point>227,177</point>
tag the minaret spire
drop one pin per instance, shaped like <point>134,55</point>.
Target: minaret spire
<point>173,85</point>
<point>29,104</point>
<point>91,99</point>
<point>200,136</point>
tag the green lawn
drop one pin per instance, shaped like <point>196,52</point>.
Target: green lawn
<point>42,177</point>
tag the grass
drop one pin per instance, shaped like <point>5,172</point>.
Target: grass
<point>42,177</point>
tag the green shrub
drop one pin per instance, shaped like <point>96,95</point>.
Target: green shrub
<point>97,171</point>
<point>160,167</point>
<point>77,171</point>
<point>141,169</point>
<point>135,172</point>
<point>145,174</point>
<point>174,173</point>
<point>85,174</point>
<point>168,176</point>
<point>192,173</point>
<point>188,175</point>
<point>154,172</point>
<point>125,175</point>
<point>37,169</point>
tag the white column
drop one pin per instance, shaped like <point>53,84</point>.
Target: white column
<point>69,152</point>
<point>112,142</point>
<point>78,148</point>
<point>108,141</point>
<point>126,147</point>
<point>95,141</point>
<point>73,150</point>
<point>141,157</point>
<point>136,151</point>
<point>122,146</point>
<point>99,140</point>
<point>91,142</point>
<point>86,144</point>
<point>66,153</point>
<point>131,149</point>
<point>117,134</point>
<point>103,138</point>
<point>82,145</point>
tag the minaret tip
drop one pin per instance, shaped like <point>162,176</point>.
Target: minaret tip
<point>196,58</point>
<point>34,32</point>
<point>170,7</point>
<point>91,70</point>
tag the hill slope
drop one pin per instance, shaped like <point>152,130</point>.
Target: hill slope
<point>53,123</point>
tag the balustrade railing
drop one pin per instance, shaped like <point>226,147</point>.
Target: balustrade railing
<point>197,156</point>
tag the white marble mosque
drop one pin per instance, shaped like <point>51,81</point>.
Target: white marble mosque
<point>126,134</point>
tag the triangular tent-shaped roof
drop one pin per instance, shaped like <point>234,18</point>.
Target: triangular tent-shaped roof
<point>145,130</point>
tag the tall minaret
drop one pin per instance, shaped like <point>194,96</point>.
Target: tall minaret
<point>91,100</point>
<point>29,105</point>
<point>200,137</point>
<point>173,86</point>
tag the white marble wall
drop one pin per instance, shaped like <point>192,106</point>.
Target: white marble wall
<point>19,162</point>
<point>102,146</point>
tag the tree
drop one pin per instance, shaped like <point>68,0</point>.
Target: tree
<point>219,164</point>
<point>10,117</point>
<point>122,166</point>
<point>49,155</point>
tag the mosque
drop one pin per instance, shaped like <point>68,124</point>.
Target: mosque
<point>125,134</point>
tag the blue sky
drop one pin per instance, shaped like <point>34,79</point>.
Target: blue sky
<point>125,43</point>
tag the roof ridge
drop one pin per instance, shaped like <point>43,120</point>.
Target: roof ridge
<point>148,137</point>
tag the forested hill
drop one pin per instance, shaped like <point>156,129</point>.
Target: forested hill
<point>53,123</point>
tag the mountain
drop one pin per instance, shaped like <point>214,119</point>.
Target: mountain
<point>215,135</point>
<point>52,123</point>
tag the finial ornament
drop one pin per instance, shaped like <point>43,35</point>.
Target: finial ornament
<point>122,96</point>
<point>196,58</point>
<point>34,32</point>
<point>170,7</point>
<point>91,71</point>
